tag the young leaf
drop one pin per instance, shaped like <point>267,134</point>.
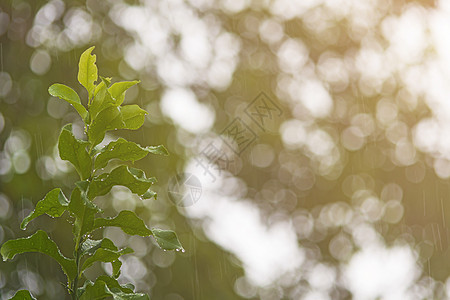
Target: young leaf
<point>87,71</point>
<point>102,99</point>
<point>133,116</point>
<point>117,90</point>
<point>22,295</point>
<point>128,221</point>
<point>39,242</point>
<point>132,178</point>
<point>106,81</point>
<point>167,239</point>
<point>108,119</point>
<point>101,289</point>
<point>104,255</point>
<point>66,93</point>
<point>54,204</point>
<point>126,151</point>
<point>74,150</point>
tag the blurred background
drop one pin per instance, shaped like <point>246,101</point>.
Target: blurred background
<point>317,132</point>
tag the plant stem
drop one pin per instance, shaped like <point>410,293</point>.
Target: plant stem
<point>77,260</point>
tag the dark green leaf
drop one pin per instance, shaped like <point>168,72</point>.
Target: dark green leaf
<point>83,186</point>
<point>22,295</point>
<point>84,214</point>
<point>108,119</point>
<point>116,265</point>
<point>90,246</point>
<point>132,178</point>
<point>105,289</point>
<point>128,221</point>
<point>87,71</point>
<point>113,284</point>
<point>104,255</point>
<point>39,242</point>
<point>167,239</point>
<point>126,151</point>
<point>112,255</point>
<point>82,289</point>
<point>133,116</point>
<point>117,90</point>
<point>66,93</point>
<point>74,150</point>
<point>54,204</point>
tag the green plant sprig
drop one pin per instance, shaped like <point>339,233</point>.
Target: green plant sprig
<point>104,112</point>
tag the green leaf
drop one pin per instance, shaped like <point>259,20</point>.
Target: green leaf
<point>39,242</point>
<point>126,151</point>
<point>87,71</point>
<point>113,284</point>
<point>66,93</point>
<point>84,214</point>
<point>149,194</point>
<point>102,99</point>
<point>83,186</point>
<point>106,81</point>
<point>128,221</point>
<point>108,119</point>
<point>133,116</point>
<point>105,288</point>
<point>74,150</point>
<point>90,246</point>
<point>112,117</point>
<point>104,255</point>
<point>116,265</point>
<point>132,178</point>
<point>167,239</point>
<point>54,204</point>
<point>22,295</point>
<point>82,289</point>
<point>117,90</point>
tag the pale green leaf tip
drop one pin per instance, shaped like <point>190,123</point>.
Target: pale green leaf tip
<point>24,224</point>
<point>164,150</point>
<point>89,50</point>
